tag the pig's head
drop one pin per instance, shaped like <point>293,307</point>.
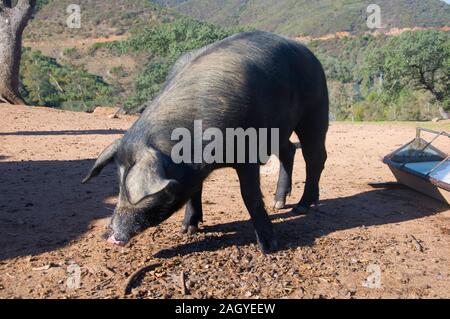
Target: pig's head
<point>147,196</point>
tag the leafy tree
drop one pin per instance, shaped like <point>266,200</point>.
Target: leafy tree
<point>341,58</point>
<point>418,60</point>
<point>41,3</point>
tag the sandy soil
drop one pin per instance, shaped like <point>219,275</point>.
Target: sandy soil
<point>379,32</point>
<point>50,224</point>
<point>54,49</point>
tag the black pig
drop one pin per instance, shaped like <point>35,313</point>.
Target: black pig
<point>249,80</point>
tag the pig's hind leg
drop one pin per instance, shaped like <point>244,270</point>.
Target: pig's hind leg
<point>193,214</point>
<point>284,185</point>
<point>312,136</point>
<point>253,200</point>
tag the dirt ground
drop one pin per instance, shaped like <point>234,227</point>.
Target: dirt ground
<point>50,224</point>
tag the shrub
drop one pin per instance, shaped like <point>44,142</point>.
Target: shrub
<point>46,82</point>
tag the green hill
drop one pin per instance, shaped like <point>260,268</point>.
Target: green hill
<point>124,49</point>
<point>98,18</point>
<point>305,17</point>
<point>119,57</point>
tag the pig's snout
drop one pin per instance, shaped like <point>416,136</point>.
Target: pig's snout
<point>112,240</point>
<point>123,226</point>
<point>109,237</point>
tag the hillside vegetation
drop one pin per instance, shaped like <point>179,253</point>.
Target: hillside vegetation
<point>387,78</point>
<point>297,17</point>
<point>98,18</point>
<point>163,44</point>
<point>121,57</point>
<point>124,73</point>
<point>46,82</point>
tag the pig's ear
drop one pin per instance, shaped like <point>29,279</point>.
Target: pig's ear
<point>106,157</point>
<point>146,177</point>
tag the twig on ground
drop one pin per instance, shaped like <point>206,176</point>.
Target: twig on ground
<point>132,278</point>
<point>184,290</point>
<point>46,267</point>
<point>418,245</point>
<point>386,185</point>
<point>103,284</point>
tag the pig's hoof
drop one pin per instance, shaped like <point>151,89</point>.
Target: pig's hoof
<point>192,230</point>
<point>300,210</point>
<point>189,229</point>
<point>268,246</point>
<point>280,204</point>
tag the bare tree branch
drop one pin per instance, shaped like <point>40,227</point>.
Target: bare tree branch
<point>428,85</point>
<point>22,13</point>
<point>10,97</point>
<point>23,4</point>
<point>14,21</point>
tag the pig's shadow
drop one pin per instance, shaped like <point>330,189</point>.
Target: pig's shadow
<point>63,132</point>
<point>377,207</point>
<point>43,205</point>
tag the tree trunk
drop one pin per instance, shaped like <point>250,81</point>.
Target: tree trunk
<point>13,21</point>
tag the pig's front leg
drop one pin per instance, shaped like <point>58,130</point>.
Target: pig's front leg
<point>193,213</point>
<point>251,193</point>
<point>284,184</point>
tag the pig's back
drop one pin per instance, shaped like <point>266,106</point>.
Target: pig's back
<point>253,79</point>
